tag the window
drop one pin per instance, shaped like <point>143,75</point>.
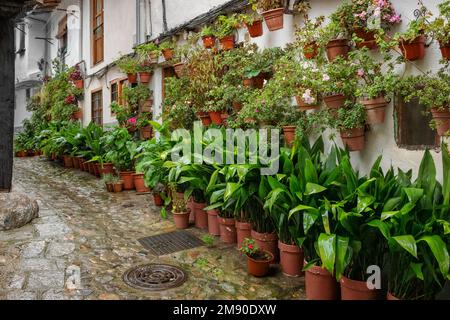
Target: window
<point>97,31</point>
<point>21,29</point>
<point>117,89</point>
<point>27,94</point>
<point>413,129</point>
<point>97,107</point>
<point>62,37</point>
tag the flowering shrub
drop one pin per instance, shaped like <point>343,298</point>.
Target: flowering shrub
<point>76,74</point>
<point>380,11</point>
<point>70,100</point>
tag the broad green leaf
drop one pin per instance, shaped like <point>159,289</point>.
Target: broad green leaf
<point>312,188</point>
<point>343,255</point>
<point>427,174</point>
<point>302,208</point>
<point>439,249</point>
<point>417,269</point>
<point>382,226</point>
<point>446,170</point>
<point>392,203</point>
<point>310,172</point>
<point>230,190</point>
<point>309,218</point>
<point>414,194</point>
<point>408,243</point>
<point>388,214</point>
<point>326,245</point>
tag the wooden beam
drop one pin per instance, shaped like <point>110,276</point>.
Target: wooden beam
<point>6,102</point>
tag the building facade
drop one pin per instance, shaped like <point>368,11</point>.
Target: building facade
<point>94,33</point>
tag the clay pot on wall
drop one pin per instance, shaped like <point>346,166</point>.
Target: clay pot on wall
<point>227,43</point>
<point>145,77</point>
<point>445,50</point>
<point>209,41</point>
<point>132,78</point>
<point>337,48</point>
<point>274,19</point>
<point>375,110</point>
<point>289,134</point>
<point>368,38</point>
<point>441,119</point>
<point>413,50</point>
<point>167,54</point>
<point>255,29</point>
<point>353,139</point>
<point>310,51</point>
<point>216,117</point>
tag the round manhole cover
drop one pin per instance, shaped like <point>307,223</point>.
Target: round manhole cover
<point>154,277</point>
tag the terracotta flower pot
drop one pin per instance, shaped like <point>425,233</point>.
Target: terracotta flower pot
<point>118,187</point>
<point>80,161</point>
<point>274,19</point>
<point>258,82</point>
<point>139,183</point>
<point>357,290</point>
<point>97,169</point>
<point>375,110</point>
<point>206,120</point>
<point>320,284</point>
<point>127,178</point>
<point>91,169</point>
<point>248,82</point>
<point>237,106</point>
<point>180,69</point>
<point>227,43</point>
<point>146,132</point>
<point>109,186</point>
<point>413,50</point>
<point>86,166</point>
<point>145,77</point>
<point>77,114</point>
<point>311,50</point>
<point>68,162</point>
<point>190,206</point>
<point>243,230</point>
<point>227,230</point>
<point>368,38</point>
<point>108,168</point>
<point>259,268</point>
<point>353,139</point>
<point>267,242</point>
<point>181,220</point>
<point>79,84</point>
<point>255,29</point>
<point>445,50</point>
<point>201,217</point>
<point>334,101</point>
<point>76,163</point>
<point>213,222</point>
<point>391,297</point>
<point>442,120</point>
<point>291,259</point>
<point>289,134</point>
<point>209,41</point>
<point>303,106</point>
<point>132,78</point>
<point>216,117</point>
<point>167,54</point>
<point>158,200</point>
<point>21,154</point>
<point>337,48</point>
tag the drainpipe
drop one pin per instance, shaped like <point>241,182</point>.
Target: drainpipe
<point>164,15</point>
<point>81,32</point>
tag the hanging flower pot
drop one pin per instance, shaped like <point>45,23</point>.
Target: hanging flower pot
<point>303,106</point>
<point>118,187</point>
<point>77,114</point>
<point>209,41</point>
<point>216,117</point>
<point>255,29</point>
<point>291,259</point>
<point>79,84</point>
<point>227,43</point>
<point>337,48</point>
<point>259,266</point>
<point>213,222</point>
<point>139,183</point>
<point>204,117</point>
<point>445,50</point>
<point>274,19</point>
<point>244,230</point>
<point>181,220</point>
<point>368,38</point>
<point>248,82</point>
<point>167,54</point>
<point>127,178</point>
<point>357,290</point>
<point>413,50</point>
<point>320,284</point>
<point>237,106</point>
<point>145,77</point>
<point>289,134</point>
<point>180,69</point>
<point>353,139</point>
<point>132,78</point>
<point>267,242</point>
<point>153,57</point>
<point>311,50</point>
<point>375,110</point>
<point>158,200</point>
<point>227,230</point>
<point>146,132</point>
<point>258,82</point>
<point>441,118</point>
<point>201,217</point>
<point>334,101</point>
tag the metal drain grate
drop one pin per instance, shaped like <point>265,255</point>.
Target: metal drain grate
<point>154,277</point>
<point>170,242</point>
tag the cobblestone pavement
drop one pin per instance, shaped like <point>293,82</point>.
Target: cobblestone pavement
<point>82,227</point>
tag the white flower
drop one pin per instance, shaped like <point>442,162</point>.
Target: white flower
<point>326,77</point>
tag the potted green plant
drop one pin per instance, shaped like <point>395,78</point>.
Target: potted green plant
<point>351,124</point>
<point>148,53</point>
<point>130,66</point>
<point>77,77</point>
<point>253,22</point>
<point>135,96</point>
<point>225,29</point>
<point>439,29</point>
<point>167,47</point>
<point>145,72</point>
<point>272,11</point>
<point>208,36</point>
<point>258,261</point>
<point>307,37</point>
<point>107,179</point>
<point>180,212</point>
<point>117,184</point>
<point>289,124</point>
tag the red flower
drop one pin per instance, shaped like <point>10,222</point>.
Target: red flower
<point>70,100</point>
<point>250,246</point>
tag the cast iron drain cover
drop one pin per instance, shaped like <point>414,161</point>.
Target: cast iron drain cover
<point>170,242</point>
<point>154,277</point>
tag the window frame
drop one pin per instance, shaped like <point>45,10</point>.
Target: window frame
<point>121,83</point>
<point>98,91</point>
<point>94,27</point>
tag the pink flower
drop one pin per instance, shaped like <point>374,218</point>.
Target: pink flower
<point>132,121</point>
<point>326,77</point>
<point>396,18</point>
<point>307,98</point>
<point>257,110</point>
<point>361,73</point>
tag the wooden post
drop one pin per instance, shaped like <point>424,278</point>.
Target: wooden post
<point>6,102</point>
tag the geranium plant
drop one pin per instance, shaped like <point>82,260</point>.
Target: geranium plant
<point>128,64</point>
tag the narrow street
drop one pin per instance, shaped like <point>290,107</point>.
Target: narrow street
<point>82,227</point>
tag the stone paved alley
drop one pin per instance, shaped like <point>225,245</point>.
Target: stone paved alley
<point>81,225</point>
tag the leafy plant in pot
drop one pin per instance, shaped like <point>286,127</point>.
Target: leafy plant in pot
<point>307,37</point>
<point>225,28</point>
<point>117,184</point>
<point>335,35</point>
<point>180,212</point>
<point>351,123</point>
<point>129,66</point>
<point>272,11</point>
<point>253,22</point>
<point>208,37</point>
<point>167,48</point>
<point>77,77</point>
<point>107,179</point>
<point>258,260</point>
<point>148,53</point>
<point>439,29</point>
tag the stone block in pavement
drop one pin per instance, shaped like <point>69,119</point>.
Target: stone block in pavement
<point>16,210</point>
